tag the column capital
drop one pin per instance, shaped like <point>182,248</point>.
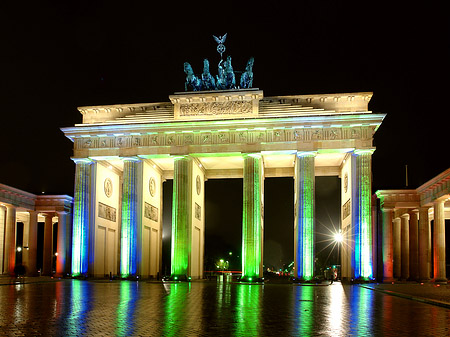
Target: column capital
<point>363,151</point>
<point>387,209</point>
<point>131,158</point>
<point>61,213</point>
<point>405,216</point>
<point>82,160</point>
<point>306,153</point>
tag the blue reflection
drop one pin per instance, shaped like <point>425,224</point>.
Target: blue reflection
<point>78,318</point>
<point>361,320</point>
<point>126,318</point>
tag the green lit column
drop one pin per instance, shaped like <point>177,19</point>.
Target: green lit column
<point>131,220</point>
<point>362,214</point>
<point>252,218</point>
<point>304,216</point>
<point>81,215</point>
<point>181,218</point>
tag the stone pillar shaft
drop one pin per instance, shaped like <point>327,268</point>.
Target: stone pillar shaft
<point>424,245</point>
<point>305,208</point>
<point>181,217</point>
<point>10,240</point>
<point>32,244</point>
<point>362,215</point>
<point>405,246</point>
<point>130,217</point>
<point>439,242</point>
<point>396,233</point>
<point>48,245</point>
<point>388,252</point>
<point>414,245</point>
<point>61,244</point>
<point>252,218</point>
<point>81,208</point>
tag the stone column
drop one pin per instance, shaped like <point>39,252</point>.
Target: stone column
<point>61,245</point>
<point>396,234</point>
<point>32,244</point>
<point>181,217</point>
<point>405,246</point>
<point>81,215</point>
<point>10,240</point>
<point>131,217</point>
<point>362,215</point>
<point>424,245</point>
<point>388,252</point>
<point>439,242</point>
<point>252,218</point>
<point>48,245</point>
<point>414,245</point>
<point>304,219</point>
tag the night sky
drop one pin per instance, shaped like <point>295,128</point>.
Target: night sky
<point>60,55</point>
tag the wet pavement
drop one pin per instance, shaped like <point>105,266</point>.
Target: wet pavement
<point>125,308</point>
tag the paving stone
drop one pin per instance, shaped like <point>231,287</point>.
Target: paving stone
<point>78,308</point>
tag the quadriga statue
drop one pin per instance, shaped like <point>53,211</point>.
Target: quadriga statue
<point>247,75</point>
<point>192,82</point>
<point>208,82</point>
<point>230,80</point>
<point>220,78</point>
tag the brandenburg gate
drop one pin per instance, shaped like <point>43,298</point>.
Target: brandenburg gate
<point>123,154</point>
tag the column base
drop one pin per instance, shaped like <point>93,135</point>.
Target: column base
<point>248,279</point>
<point>178,278</point>
<point>388,280</point>
<point>440,280</point>
<point>424,280</point>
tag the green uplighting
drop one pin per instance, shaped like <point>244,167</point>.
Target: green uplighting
<point>181,216</point>
<point>252,222</point>
<point>304,233</point>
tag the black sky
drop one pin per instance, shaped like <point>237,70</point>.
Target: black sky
<point>57,56</point>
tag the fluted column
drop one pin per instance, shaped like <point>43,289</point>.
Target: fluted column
<point>252,218</point>
<point>304,220</point>
<point>10,240</point>
<point>48,245</point>
<point>388,252</point>
<point>131,220</point>
<point>439,242</point>
<point>362,215</point>
<point>405,246</point>
<point>414,245</point>
<point>424,245</point>
<point>181,217</point>
<point>61,245</point>
<point>32,244</point>
<point>396,233</point>
<point>81,214</point>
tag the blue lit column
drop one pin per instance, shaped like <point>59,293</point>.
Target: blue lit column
<point>304,216</point>
<point>361,214</point>
<point>252,219</point>
<point>132,171</point>
<point>80,233</point>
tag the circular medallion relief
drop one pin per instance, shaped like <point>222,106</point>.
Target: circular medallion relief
<point>108,187</point>
<point>198,185</point>
<point>152,186</point>
<point>345,183</point>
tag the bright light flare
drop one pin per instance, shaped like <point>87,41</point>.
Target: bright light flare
<point>338,237</point>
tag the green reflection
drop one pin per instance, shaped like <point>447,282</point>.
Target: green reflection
<point>80,308</point>
<point>248,313</point>
<point>126,309</point>
<point>304,310</point>
<point>175,308</point>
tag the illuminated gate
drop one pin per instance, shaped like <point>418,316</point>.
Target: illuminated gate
<point>123,153</point>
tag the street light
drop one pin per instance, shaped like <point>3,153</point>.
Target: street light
<point>339,238</point>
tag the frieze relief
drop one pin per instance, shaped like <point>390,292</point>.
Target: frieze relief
<point>305,134</point>
<point>216,108</point>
